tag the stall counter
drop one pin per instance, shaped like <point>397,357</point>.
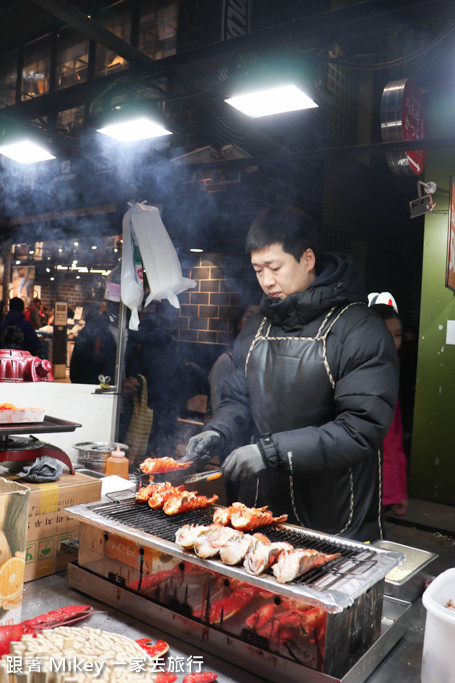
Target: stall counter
<point>76,402</point>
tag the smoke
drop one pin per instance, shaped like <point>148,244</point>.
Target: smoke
<point>105,172</point>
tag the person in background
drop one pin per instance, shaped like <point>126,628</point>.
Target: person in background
<point>222,367</point>
<point>315,383</point>
<point>94,350</point>
<point>43,315</point>
<point>153,354</point>
<point>31,313</point>
<point>394,462</point>
<point>15,331</point>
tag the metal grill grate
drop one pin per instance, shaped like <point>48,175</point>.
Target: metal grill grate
<point>352,560</point>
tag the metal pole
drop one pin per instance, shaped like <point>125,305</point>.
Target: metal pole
<point>119,367</point>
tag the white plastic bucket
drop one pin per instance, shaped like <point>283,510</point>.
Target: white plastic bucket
<point>438,664</point>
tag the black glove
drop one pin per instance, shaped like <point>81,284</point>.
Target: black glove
<point>244,463</point>
<point>203,447</point>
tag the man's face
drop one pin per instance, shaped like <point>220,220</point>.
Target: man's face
<point>279,274</point>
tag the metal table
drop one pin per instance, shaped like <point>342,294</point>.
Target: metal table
<point>402,663</point>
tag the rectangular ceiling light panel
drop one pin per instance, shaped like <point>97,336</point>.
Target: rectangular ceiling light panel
<point>25,152</point>
<point>134,130</point>
<point>272,101</point>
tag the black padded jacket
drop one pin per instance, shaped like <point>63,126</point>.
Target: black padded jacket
<point>333,448</point>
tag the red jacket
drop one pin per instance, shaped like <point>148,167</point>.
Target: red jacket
<point>394,464</point>
<point>31,314</point>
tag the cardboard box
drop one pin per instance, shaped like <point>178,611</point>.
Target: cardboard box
<point>49,524</point>
<point>14,513</point>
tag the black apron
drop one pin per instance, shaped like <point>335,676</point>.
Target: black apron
<point>291,387</point>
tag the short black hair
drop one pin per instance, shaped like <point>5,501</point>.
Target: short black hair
<point>289,226</point>
<point>16,304</point>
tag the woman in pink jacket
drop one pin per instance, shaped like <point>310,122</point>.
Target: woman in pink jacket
<point>394,463</point>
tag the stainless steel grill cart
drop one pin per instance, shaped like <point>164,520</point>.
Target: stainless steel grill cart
<point>321,627</point>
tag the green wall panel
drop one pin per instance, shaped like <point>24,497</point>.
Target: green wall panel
<point>432,468</point>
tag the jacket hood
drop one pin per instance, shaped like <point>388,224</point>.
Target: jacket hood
<point>337,284</point>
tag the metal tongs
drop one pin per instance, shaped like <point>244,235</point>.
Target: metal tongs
<point>208,475</point>
<point>204,476</point>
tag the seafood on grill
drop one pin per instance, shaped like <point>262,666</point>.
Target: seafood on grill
<point>207,541</point>
<point>222,516</point>
<point>146,492</point>
<point>187,501</point>
<point>233,546</point>
<point>294,563</point>
<point>172,499</point>
<point>244,518</point>
<point>256,550</point>
<point>163,465</point>
<point>234,551</point>
<point>187,534</point>
<point>159,497</point>
<point>263,555</point>
<point>210,541</point>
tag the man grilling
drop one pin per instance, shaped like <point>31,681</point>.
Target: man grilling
<point>314,386</point>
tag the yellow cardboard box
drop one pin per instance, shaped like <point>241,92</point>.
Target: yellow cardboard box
<point>49,524</point>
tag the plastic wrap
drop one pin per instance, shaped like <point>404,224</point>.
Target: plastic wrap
<point>132,277</point>
<point>147,246</point>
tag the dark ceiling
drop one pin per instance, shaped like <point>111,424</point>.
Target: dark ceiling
<point>419,29</point>
<point>191,72</point>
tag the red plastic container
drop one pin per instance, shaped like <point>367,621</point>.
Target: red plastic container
<point>21,366</point>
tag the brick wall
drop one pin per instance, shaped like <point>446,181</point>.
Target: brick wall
<point>208,311</point>
<point>66,288</point>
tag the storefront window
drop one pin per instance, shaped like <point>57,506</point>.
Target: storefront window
<point>36,68</point>
<point>72,59</point>
<point>8,79</point>
<point>118,23</point>
<point>70,119</point>
<point>157,34</point>
<point>158,29</point>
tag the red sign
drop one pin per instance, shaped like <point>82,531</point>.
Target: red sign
<point>402,120</point>
<point>414,128</point>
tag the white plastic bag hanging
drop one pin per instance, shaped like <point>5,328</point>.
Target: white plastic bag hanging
<point>132,277</point>
<point>143,224</point>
